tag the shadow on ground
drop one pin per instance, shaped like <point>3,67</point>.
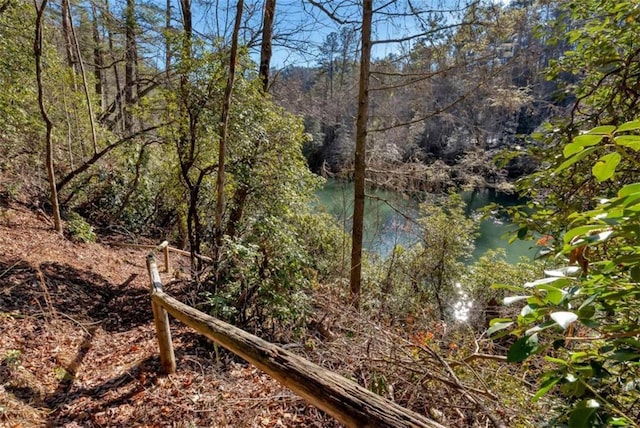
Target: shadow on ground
<point>90,302</point>
<point>81,294</point>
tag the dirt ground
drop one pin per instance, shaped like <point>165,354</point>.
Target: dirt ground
<point>78,348</point>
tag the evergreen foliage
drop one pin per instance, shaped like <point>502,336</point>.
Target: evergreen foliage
<point>582,315</point>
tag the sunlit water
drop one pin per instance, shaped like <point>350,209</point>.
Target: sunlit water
<point>386,224</point>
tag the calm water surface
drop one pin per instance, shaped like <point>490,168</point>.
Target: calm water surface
<point>385,225</point>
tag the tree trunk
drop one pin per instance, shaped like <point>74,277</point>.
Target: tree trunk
<point>265,48</point>
<point>85,84</point>
<point>224,123</point>
<point>66,32</point>
<point>167,41</point>
<point>133,186</point>
<point>185,7</point>
<point>188,140</point>
<point>37,51</point>
<point>116,77</point>
<point>98,59</point>
<point>130,64</point>
<point>360,162</point>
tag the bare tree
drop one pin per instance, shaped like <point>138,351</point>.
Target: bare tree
<point>224,122</point>
<point>37,51</point>
<point>130,64</point>
<point>265,49</point>
<point>98,59</point>
<point>167,41</point>
<point>85,83</point>
<point>117,104</point>
<point>66,32</point>
<point>360,155</point>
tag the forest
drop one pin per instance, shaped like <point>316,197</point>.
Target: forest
<point>214,125</point>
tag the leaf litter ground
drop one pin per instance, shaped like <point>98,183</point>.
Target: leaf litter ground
<point>78,348</point>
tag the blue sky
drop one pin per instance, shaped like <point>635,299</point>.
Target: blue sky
<point>303,25</point>
<point>315,25</point>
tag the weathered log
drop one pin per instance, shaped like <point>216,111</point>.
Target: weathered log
<point>342,398</point>
<point>161,320</point>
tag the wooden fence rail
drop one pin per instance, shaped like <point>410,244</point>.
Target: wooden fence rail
<point>166,249</point>
<point>342,398</point>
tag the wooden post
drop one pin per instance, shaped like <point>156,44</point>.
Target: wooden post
<point>161,320</point>
<point>164,246</point>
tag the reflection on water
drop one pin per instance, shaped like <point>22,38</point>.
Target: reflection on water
<point>388,219</point>
<point>462,307</point>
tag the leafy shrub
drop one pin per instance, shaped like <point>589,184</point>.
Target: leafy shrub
<point>584,314</point>
<point>79,229</point>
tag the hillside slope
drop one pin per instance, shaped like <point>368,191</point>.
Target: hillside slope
<point>77,345</point>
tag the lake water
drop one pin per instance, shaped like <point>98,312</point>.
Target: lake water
<point>386,224</point>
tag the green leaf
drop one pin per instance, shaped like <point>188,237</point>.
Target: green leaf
<point>629,126</point>
<point>602,130</point>
<point>498,326</point>
<point>583,414</point>
<point>579,156</point>
<point>571,149</point>
<point>535,302</point>
<point>556,360</point>
<point>545,387</point>
<point>619,422</point>
<point>522,232</point>
<point>573,388</point>
<point>578,231</point>
<point>554,295</point>
<point>580,142</point>
<point>522,348</point>
<point>578,356</point>
<point>631,141</point>
<point>627,259</point>
<point>563,318</point>
<point>598,370</point>
<point>625,355</point>
<point>586,312</point>
<point>497,320</point>
<point>605,167</point>
<point>629,189</point>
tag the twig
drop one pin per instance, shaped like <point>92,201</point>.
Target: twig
<point>8,269</point>
<point>478,356</point>
<point>494,419</point>
<point>82,325</point>
<point>45,292</point>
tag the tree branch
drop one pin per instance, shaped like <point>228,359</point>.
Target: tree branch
<point>97,156</point>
